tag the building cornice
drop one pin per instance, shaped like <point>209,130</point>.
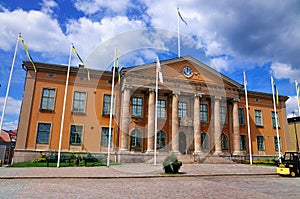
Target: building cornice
<point>62,69</point>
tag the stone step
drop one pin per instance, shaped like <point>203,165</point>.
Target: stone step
<point>205,159</point>
<point>187,159</point>
<point>214,160</point>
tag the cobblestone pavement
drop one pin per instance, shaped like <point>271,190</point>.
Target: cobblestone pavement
<point>133,170</point>
<point>270,186</point>
<point>147,181</point>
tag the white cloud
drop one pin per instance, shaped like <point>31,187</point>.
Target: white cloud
<point>2,8</point>
<point>41,32</point>
<point>292,106</point>
<point>97,40</point>
<point>282,71</point>
<point>129,43</point>
<point>219,63</point>
<point>257,31</point>
<point>47,6</point>
<point>12,107</point>
<point>93,6</point>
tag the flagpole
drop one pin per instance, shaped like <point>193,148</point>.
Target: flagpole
<point>155,118</point>
<point>64,108</point>
<point>248,122</point>
<point>178,34</point>
<point>276,120</point>
<point>111,109</point>
<point>8,85</point>
<point>297,91</point>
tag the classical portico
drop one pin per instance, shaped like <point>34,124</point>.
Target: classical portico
<point>181,127</point>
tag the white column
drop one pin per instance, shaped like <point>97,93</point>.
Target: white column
<point>217,127</point>
<point>236,129</point>
<point>197,128</point>
<point>175,135</point>
<point>151,116</point>
<point>125,120</point>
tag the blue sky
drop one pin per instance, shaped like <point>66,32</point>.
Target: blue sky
<point>260,37</point>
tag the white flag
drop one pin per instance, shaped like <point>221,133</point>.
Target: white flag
<point>159,71</point>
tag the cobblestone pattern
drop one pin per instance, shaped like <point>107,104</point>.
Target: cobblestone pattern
<point>134,170</point>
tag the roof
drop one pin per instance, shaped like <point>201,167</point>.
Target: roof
<point>189,59</point>
<point>262,95</point>
<point>62,69</point>
<point>293,119</point>
<point>4,137</point>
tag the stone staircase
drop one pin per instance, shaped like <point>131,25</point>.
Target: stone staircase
<point>214,159</point>
<point>204,159</point>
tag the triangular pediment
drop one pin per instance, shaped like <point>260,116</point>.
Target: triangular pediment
<point>178,72</point>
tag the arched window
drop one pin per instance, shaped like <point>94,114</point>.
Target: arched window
<point>204,140</point>
<point>224,139</point>
<point>161,140</point>
<point>136,140</point>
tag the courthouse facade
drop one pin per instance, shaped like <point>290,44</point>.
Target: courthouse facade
<point>199,111</point>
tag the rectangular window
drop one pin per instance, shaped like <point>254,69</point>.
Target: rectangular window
<point>79,102</point>
<point>76,135</point>
<point>258,118</point>
<point>48,98</point>
<point>43,133</point>
<point>276,143</point>
<point>106,105</point>
<point>182,109</point>
<point>260,143</point>
<point>137,107</point>
<point>241,116</point>
<point>104,136</point>
<point>161,108</point>
<point>203,113</point>
<point>222,114</point>
<point>273,119</point>
<point>243,143</point>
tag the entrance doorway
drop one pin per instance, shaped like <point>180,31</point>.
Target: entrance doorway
<point>182,142</point>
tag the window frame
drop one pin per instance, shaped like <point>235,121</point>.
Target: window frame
<point>105,136</point>
<point>182,109</point>
<point>276,145</point>
<point>203,113</point>
<point>204,140</point>
<point>106,105</point>
<point>223,114</point>
<point>48,97</point>
<point>243,142</point>
<point>241,114</point>
<point>260,142</point>
<point>76,132</point>
<point>258,117</point>
<point>161,139</point>
<point>43,132</point>
<point>77,110</point>
<point>137,107</point>
<point>161,110</point>
<point>224,142</point>
<point>273,119</point>
<point>134,136</point>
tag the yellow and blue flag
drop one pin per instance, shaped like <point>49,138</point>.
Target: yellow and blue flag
<point>181,16</point>
<point>27,52</point>
<point>298,91</point>
<point>76,53</point>
<point>117,67</point>
<point>276,91</point>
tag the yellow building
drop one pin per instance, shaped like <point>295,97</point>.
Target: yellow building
<point>199,110</point>
<point>294,134</point>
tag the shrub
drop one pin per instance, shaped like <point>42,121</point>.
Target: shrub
<point>40,159</point>
<point>171,164</point>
